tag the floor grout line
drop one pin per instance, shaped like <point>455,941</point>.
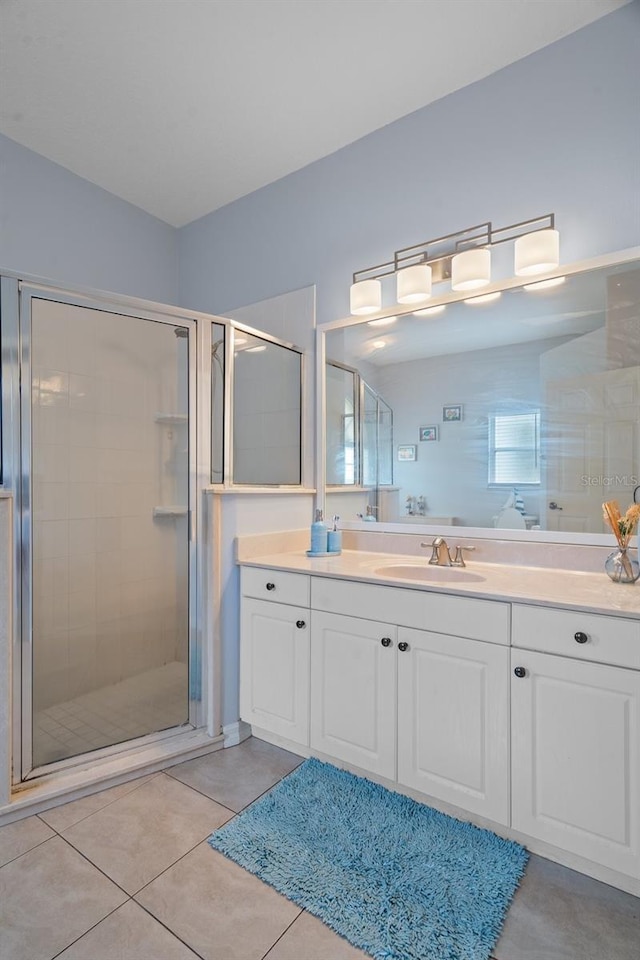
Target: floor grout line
<point>172,932</point>
<point>275,942</point>
<point>201,794</point>
<point>92,927</point>
<point>146,778</point>
<point>128,895</point>
<point>25,852</point>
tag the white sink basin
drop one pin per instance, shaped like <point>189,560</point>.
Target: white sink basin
<point>422,571</point>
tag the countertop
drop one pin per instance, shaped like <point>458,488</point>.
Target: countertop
<point>570,589</point>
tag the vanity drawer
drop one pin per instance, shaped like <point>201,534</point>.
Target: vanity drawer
<point>608,639</point>
<point>276,585</point>
<point>458,616</point>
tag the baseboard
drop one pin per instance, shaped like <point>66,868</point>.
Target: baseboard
<point>235,733</point>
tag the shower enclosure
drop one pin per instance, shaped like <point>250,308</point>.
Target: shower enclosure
<point>119,418</point>
<point>100,457</point>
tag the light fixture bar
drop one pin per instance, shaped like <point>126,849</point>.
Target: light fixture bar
<point>479,235</point>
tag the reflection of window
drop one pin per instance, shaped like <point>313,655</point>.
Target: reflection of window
<point>514,448</point>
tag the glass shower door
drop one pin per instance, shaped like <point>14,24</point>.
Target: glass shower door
<point>105,499</point>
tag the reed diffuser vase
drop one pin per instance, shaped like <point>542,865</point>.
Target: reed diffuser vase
<point>621,565</point>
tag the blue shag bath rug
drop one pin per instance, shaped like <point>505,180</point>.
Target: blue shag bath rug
<point>396,878</point>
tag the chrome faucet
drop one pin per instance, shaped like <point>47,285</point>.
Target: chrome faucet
<point>439,552</point>
<point>441,555</point>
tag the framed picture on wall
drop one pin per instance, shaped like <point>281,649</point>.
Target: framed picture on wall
<point>407,451</point>
<point>428,433</point>
<point>452,412</point>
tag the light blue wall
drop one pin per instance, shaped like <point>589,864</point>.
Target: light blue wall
<point>559,130</point>
<point>58,226</point>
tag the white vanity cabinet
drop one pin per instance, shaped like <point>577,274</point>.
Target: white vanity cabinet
<point>274,652</point>
<point>353,691</point>
<point>453,720</point>
<point>426,708</point>
<point>523,715</point>
<point>576,733</point>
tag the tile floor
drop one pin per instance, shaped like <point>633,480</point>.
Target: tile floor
<point>153,700</point>
<point>127,874</point>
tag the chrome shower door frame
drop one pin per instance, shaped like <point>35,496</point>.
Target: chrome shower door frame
<point>16,331</point>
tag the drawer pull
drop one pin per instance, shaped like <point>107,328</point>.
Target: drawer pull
<point>271,586</point>
<point>580,637</point>
<point>520,672</point>
<point>403,646</point>
<point>386,641</point>
<point>300,624</point>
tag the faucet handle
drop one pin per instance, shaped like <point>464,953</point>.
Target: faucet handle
<point>458,560</point>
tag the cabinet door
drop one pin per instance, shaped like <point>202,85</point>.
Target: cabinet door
<point>274,668</point>
<point>575,756</point>
<point>453,720</point>
<point>353,691</point>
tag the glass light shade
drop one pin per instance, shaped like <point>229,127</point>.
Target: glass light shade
<point>365,297</point>
<point>471,269</point>
<point>537,252</point>
<point>414,283</point>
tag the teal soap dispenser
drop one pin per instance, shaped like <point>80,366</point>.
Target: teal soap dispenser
<point>319,534</point>
<point>334,538</point>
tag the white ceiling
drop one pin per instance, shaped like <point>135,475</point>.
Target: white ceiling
<point>181,106</point>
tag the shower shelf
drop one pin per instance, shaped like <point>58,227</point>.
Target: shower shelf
<point>173,419</point>
<point>172,511</point>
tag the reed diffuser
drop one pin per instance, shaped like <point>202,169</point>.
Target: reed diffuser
<point>619,565</point>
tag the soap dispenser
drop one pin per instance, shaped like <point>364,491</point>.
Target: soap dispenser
<point>334,538</point>
<point>319,534</point>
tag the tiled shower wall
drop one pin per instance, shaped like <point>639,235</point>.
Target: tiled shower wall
<point>110,597</point>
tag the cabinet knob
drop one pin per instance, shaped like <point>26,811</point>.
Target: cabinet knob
<point>386,641</point>
<point>271,586</point>
<point>580,637</point>
<point>300,624</point>
<point>520,672</point>
<point>403,646</point>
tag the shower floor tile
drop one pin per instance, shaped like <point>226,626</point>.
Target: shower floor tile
<point>147,702</point>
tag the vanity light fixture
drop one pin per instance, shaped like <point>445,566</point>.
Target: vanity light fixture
<point>366,297</point>
<point>537,252</point>
<point>413,284</point>
<point>463,257</point>
<point>430,311</point>
<point>471,269</point>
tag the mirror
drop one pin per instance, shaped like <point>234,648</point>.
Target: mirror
<point>267,412</point>
<point>518,411</point>
<point>341,425</point>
